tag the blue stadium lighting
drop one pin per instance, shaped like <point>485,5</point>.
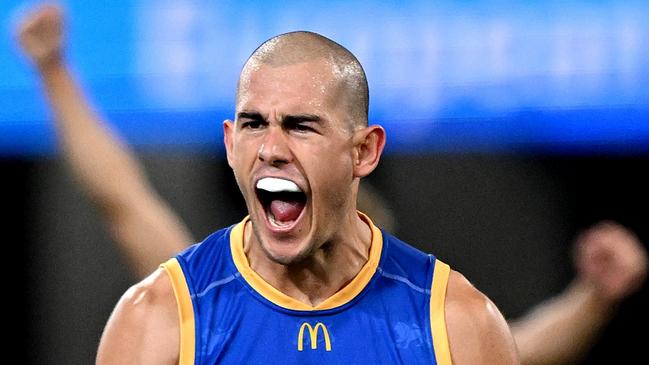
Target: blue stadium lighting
<point>445,76</point>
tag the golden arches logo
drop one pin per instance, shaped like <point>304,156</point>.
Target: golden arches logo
<point>313,336</point>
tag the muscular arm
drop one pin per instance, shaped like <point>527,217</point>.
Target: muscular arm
<point>144,327</point>
<point>146,229</point>
<point>611,264</point>
<point>477,332</point>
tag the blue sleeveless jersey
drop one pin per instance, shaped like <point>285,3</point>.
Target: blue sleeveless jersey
<point>392,312</point>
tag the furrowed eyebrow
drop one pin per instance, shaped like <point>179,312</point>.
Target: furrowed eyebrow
<point>290,119</point>
<point>302,118</point>
<point>250,115</point>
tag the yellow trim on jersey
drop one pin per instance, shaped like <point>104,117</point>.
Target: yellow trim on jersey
<point>343,296</point>
<point>438,315</point>
<point>185,311</point>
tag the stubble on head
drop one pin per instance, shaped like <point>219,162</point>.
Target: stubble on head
<point>302,47</point>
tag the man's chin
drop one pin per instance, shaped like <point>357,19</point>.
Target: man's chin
<point>285,254</point>
<point>280,247</point>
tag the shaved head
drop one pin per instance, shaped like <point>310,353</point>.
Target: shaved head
<point>300,47</point>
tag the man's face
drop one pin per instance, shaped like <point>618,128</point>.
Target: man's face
<point>291,149</point>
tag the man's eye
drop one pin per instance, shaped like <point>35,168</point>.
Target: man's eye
<point>253,124</point>
<point>302,127</point>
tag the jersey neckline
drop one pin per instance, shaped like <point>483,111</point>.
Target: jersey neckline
<point>340,298</point>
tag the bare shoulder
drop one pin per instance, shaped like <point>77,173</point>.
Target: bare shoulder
<point>144,327</point>
<point>477,331</point>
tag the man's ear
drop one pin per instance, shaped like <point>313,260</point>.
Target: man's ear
<point>368,147</point>
<point>228,139</point>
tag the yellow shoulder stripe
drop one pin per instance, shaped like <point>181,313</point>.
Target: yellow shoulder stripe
<point>438,314</point>
<point>185,311</point>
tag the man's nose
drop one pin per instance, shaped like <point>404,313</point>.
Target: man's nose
<point>275,150</point>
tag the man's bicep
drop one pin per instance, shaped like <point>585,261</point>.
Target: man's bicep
<point>478,333</point>
<point>144,327</point>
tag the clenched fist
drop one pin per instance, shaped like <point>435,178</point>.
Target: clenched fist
<point>41,35</point>
<point>611,258</point>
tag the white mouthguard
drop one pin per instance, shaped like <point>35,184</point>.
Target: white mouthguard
<point>275,185</point>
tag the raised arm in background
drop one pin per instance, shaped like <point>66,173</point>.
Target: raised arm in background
<point>145,228</point>
<point>611,264</point>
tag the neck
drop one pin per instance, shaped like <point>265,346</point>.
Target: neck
<point>326,270</point>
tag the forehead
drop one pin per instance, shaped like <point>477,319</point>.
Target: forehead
<point>297,85</point>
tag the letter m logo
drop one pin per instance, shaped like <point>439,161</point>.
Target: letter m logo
<point>313,336</point>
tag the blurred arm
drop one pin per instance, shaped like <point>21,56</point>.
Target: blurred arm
<point>562,329</point>
<point>611,265</point>
<point>146,229</point>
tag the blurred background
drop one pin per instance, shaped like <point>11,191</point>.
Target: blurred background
<point>512,125</point>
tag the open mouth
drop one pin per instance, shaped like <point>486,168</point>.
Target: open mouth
<point>283,201</point>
